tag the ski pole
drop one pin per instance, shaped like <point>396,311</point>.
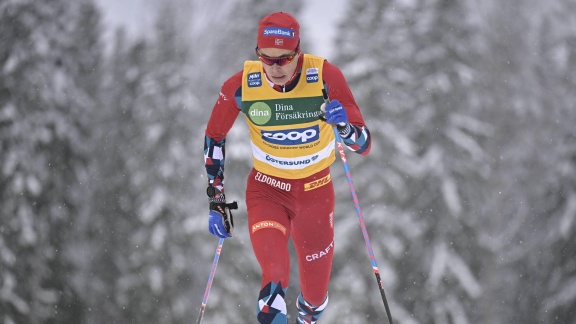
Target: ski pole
<point>359,212</point>
<point>210,279</point>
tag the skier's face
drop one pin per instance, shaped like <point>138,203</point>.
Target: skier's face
<point>276,73</point>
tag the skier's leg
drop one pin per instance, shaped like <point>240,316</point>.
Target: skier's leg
<point>269,227</point>
<point>271,249</point>
<point>313,237</point>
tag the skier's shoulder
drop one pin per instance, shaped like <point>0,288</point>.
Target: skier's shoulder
<point>331,72</point>
<point>235,80</point>
<point>232,86</point>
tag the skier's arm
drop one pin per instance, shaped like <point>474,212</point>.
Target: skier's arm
<point>221,120</point>
<point>355,133</point>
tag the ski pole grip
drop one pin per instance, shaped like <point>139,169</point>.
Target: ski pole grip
<point>325,96</point>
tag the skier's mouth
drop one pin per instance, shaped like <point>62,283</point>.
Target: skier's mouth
<point>278,78</point>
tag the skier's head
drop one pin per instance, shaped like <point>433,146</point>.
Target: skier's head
<point>278,46</point>
<point>279,30</point>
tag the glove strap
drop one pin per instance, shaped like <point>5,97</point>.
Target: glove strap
<point>345,130</point>
<point>216,206</point>
<point>215,195</point>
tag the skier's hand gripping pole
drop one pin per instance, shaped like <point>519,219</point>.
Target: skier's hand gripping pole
<point>221,224</point>
<point>220,221</point>
<point>335,114</point>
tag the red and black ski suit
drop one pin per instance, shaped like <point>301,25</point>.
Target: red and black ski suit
<point>299,205</point>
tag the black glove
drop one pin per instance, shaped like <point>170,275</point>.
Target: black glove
<point>220,221</point>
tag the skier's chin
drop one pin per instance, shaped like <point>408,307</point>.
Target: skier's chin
<point>279,80</point>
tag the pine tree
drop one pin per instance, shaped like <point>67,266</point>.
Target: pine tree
<point>479,156</point>
<point>558,36</point>
<point>112,212</point>
<point>411,68</point>
<point>531,188</point>
<point>159,177</point>
<point>143,174</point>
<point>50,57</point>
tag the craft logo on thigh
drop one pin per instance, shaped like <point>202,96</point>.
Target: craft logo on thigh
<point>268,224</point>
<point>320,254</point>
<point>317,183</point>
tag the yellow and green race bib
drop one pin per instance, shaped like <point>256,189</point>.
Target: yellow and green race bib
<point>287,137</point>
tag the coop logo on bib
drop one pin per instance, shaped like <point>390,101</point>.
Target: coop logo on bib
<point>259,113</point>
<point>254,79</point>
<point>296,136</point>
<point>311,75</point>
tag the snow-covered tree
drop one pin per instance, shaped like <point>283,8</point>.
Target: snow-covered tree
<point>142,172</point>
<point>411,66</point>
<point>558,46</point>
<point>468,195</point>
<point>529,199</point>
<point>473,198</point>
<point>49,54</point>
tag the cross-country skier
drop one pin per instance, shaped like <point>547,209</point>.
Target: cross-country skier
<point>289,191</point>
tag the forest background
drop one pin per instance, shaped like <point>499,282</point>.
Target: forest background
<point>469,193</point>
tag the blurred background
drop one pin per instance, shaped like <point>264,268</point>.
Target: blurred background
<point>469,193</point>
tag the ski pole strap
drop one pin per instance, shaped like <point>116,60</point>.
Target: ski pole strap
<point>232,205</point>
